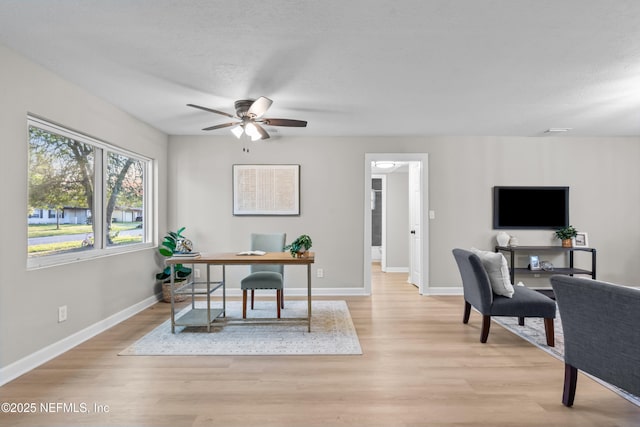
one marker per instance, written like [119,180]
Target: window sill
[36,263]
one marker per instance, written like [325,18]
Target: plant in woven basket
[299,246]
[174,242]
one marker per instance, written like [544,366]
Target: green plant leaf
[182,271]
[165,251]
[164,274]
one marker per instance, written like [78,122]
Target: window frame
[98,211]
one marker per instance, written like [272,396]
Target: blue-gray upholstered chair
[265,276]
[478,293]
[601,325]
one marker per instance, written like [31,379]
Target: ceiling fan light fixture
[237,131]
[250,130]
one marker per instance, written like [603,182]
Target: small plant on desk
[299,246]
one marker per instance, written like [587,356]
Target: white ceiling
[357,67]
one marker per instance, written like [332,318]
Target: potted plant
[299,246]
[566,234]
[174,242]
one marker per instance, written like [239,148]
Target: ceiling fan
[250,113]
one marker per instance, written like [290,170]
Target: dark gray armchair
[479,294]
[601,324]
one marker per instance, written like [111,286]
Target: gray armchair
[478,293]
[601,324]
[265,276]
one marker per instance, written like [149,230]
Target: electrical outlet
[62,313]
[196,273]
[320,272]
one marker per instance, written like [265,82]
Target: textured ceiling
[358,67]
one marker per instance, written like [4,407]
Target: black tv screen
[530,207]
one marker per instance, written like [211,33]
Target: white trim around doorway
[423,159]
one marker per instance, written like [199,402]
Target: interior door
[414,223]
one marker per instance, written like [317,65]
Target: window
[86,198]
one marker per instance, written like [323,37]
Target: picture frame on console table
[534,262]
[581,240]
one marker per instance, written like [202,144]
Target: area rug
[533,331]
[332,333]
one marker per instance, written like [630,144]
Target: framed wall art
[266,190]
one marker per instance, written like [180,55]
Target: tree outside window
[63,171]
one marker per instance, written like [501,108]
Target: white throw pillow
[498,270]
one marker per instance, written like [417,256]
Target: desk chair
[265,276]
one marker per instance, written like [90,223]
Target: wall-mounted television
[530,207]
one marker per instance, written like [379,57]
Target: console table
[535,250]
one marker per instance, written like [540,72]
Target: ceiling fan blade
[263,133]
[259,106]
[211,110]
[224,125]
[285,122]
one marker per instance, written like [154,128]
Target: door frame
[423,159]
[383,245]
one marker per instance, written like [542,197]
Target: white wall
[92,290]
[195,172]
[602,174]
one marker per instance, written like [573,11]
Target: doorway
[415,232]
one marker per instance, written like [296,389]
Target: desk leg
[224,291]
[173,308]
[309,296]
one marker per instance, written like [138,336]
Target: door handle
[413,231]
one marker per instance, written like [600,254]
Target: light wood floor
[421,367]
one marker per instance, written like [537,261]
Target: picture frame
[534,262]
[581,240]
[266,190]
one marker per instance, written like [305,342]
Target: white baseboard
[441,290]
[26,364]
[396,269]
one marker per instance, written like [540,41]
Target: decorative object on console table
[299,246]
[513,241]
[566,234]
[581,240]
[174,243]
[503,238]
[534,262]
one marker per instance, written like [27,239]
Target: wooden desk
[232,258]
